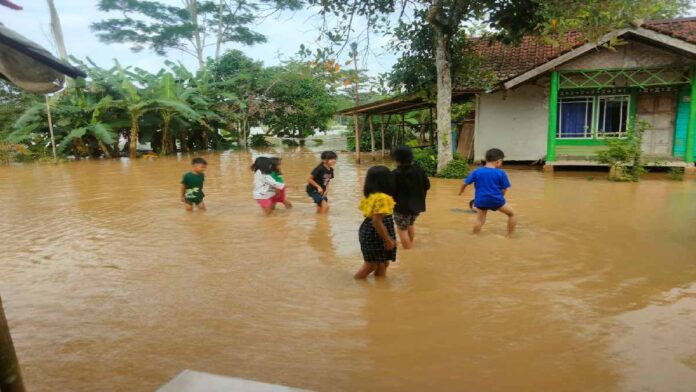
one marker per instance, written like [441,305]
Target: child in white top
[265,187]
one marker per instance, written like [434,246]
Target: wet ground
[109,285]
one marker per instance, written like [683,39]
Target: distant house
[562,104]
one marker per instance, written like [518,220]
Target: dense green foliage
[113,110]
[456,168]
[426,158]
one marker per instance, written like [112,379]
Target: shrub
[258,140]
[676,174]
[290,142]
[625,156]
[318,142]
[457,168]
[426,158]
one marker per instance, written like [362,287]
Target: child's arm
[310,180]
[382,231]
[463,188]
[272,182]
[183,193]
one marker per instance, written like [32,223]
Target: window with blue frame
[575,117]
[589,117]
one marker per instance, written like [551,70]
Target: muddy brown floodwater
[109,285]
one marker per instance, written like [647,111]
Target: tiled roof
[508,61]
[683,29]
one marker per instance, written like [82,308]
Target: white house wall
[515,121]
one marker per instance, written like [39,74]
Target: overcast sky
[285,33]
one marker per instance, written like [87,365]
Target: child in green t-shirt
[192,185]
[278,176]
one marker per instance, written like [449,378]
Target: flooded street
[109,285]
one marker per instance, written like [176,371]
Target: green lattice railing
[627,77]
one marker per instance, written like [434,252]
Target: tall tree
[189,27]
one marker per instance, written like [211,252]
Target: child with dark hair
[491,184]
[192,185]
[376,234]
[277,175]
[411,186]
[318,181]
[265,187]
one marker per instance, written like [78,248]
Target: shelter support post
[50,129]
[356,120]
[381,123]
[372,137]
[10,375]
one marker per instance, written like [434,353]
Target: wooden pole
[10,375]
[432,129]
[50,129]
[382,129]
[356,120]
[372,137]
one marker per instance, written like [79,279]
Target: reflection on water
[110,285]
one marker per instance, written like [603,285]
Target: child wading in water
[410,188]
[491,184]
[192,185]
[265,187]
[376,234]
[318,181]
[277,175]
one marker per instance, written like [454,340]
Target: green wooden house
[561,104]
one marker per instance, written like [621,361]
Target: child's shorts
[266,203]
[279,197]
[193,202]
[490,208]
[403,221]
[318,198]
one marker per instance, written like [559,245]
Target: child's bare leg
[324,207]
[405,238]
[267,210]
[201,206]
[412,234]
[287,204]
[365,271]
[480,220]
[512,218]
[382,270]
[189,207]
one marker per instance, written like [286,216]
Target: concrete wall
[515,121]
[631,55]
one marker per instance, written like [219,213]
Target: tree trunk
[198,44]
[444,102]
[166,135]
[133,143]
[10,375]
[218,43]
[57,31]
[104,149]
[183,140]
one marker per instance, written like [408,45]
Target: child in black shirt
[318,181]
[412,185]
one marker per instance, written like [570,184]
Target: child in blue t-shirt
[491,184]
